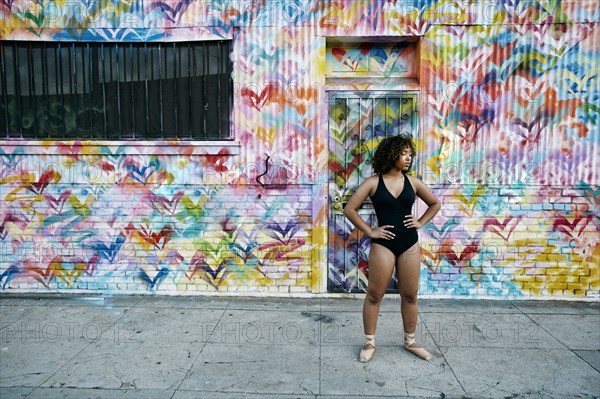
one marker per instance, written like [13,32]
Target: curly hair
[388,152]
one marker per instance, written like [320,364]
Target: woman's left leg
[408,269]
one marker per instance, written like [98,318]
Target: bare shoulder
[415,181]
[368,186]
[372,179]
[420,187]
[365,189]
[422,191]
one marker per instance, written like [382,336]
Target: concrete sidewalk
[80,346]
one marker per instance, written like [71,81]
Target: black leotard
[392,211]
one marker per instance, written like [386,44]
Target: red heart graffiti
[495,226]
[564,226]
[57,204]
[456,259]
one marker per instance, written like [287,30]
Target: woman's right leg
[381,267]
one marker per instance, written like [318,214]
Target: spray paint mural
[507,113]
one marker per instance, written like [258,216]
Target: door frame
[333,95]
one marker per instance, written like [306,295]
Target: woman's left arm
[433,203]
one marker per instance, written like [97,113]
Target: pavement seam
[585,350]
[139,300]
[548,332]
[443,357]
[566,347]
[82,349]
[187,374]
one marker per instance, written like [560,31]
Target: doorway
[358,121]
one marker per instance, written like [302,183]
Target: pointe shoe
[367,353]
[411,345]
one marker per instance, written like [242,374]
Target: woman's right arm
[355,202]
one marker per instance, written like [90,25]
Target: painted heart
[157,279]
[42,276]
[591,194]
[114,158]
[203,266]
[109,252]
[217,161]
[431,260]
[91,265]
[97,189]
[267,135]
[468,204]
[279,231]
[7,3]
[57,204]
[158,240]
[197,263]
[10,162]
[45,276]
[118,34]
[213,276]
[45,179]
[503,229]
[172,13]
[143,173]
[456,258]
[71,150]
[563,225]
[171,258]
[244,252]
[82,209]
[192,210]
[278,251]
[15,224]
[10,273]
[342,174]
[440,234]
[162,203]
[252,98]
[72,276]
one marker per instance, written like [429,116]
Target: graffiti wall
[507,129]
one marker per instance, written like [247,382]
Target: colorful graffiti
[145,226]
[508,125]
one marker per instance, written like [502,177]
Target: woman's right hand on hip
[382,232]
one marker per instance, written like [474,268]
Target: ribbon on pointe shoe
[411,345]
[367,353]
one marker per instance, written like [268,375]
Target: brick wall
[62,230]
[524,242]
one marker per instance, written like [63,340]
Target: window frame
[224,107]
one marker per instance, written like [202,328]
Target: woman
[395,241]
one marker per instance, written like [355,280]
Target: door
[358,121]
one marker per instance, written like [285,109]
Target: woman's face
[403,161]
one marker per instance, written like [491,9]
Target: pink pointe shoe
[367,353]
[411,345]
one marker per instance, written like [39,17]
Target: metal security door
[358,121]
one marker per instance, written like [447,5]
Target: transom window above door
[354,59]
